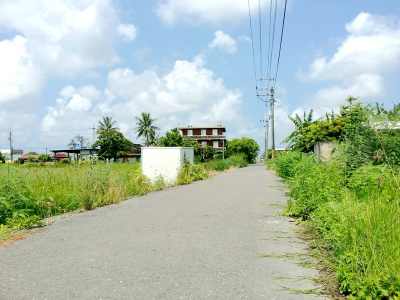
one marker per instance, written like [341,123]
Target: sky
[64,64]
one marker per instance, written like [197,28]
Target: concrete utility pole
[94,134]
[266,138]
[272,124]
[11,152]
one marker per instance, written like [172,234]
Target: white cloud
[371,49]
[73,112]
[205,11]
[127,31]
[373,46]
[224,42]
[55,38]
[189,94]
[19,78]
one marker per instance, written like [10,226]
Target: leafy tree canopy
[172,139]
[246,146]
[111,144]
[45,157]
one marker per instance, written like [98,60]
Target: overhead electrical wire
[280,44]
[272,41]
[259,21]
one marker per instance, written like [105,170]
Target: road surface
[221,238]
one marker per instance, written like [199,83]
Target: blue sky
[65,64]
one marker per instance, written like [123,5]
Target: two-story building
[212,136]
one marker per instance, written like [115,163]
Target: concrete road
[206,240]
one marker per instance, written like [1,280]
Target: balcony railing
[198,137]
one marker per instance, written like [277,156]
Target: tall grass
[50,190]
[220,165]
[356,214]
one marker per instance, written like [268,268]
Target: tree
[172,139]
[79,142]
[300,124]
[45,157]
[246,146]
[146,129]
[111,144]
[107,124]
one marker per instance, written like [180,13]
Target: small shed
[165,161]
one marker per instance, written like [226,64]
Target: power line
[252,43]
[280,44]
[273,39]
[259,19]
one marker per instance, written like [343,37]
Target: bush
[189,173]
[220,165]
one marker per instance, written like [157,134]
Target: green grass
[225,164]
[45,191]
[356,216]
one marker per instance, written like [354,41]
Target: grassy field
[32,192]
[355,216]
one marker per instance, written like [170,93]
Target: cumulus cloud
[189,94]
[224,42]
[72,112]
[127,31]
[371,49]
[55,38]
[204,11]
[373,46]
[19,77]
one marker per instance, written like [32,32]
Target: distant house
[212,136]
[75,154]
[132,155]
[26,157]
[15,154]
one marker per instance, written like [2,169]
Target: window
[190,132]
[203,132]
[215,131]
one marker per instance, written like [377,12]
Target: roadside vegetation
[350,203]
[34,190]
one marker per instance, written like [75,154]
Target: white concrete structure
[323,150]
[164,161]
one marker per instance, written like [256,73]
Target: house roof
[76,151]
[26,156]
[204,127]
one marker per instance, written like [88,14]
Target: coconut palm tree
[106,125]
[146,129]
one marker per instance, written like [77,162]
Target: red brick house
[212,136]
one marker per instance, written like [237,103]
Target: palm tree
[106,125]
[299,126]
[146,129]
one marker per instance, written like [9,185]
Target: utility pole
[266,138]
[11,152]
[94,134]
[272,124]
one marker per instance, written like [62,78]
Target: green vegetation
[112,144]
[245,146]
[44,191]
[146,129]
[237,161]
[352,201]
